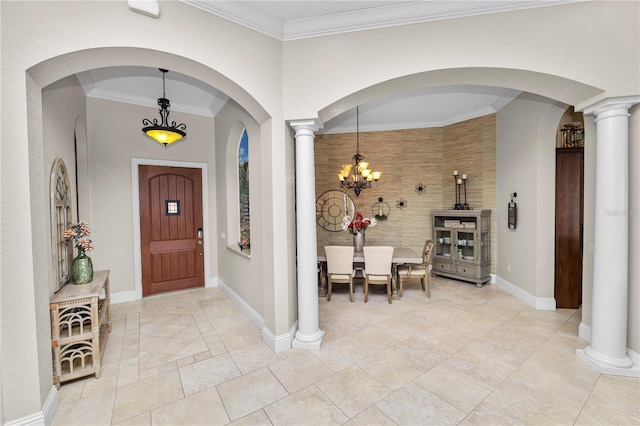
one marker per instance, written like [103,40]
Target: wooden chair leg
[389,291]
[329,290]
[426,278]
[351,290]
[422,283]
[366,290]
[400,286]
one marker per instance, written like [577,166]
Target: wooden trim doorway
[135,202]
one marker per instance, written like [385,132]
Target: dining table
[401,256]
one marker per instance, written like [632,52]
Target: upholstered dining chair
[417,270]
[339,268]
[377,268]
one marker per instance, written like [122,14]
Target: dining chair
[377,268]
[417,270]
[339,268]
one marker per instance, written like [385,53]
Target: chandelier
[357,176]
[162,132]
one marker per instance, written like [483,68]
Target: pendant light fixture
[162,132]
[358,176]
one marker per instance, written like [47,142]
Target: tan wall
[407,158]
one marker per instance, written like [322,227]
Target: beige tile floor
[466,356]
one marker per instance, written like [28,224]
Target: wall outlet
[223,235]
[590,249]
[508,268]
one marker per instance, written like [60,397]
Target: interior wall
[523,156]
[58,127]
[240,272]
[111,149]
[407,158]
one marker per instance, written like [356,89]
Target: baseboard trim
[43,418]
[279,343]
[130,296]
[538,303]
[584,332]
[249,312]
[123,297]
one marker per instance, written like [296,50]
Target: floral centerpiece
[82,266]
[358,224]
[356,227]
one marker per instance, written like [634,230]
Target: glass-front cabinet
[462,242]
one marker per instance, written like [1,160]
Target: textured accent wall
[407,158]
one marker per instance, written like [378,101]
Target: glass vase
[82,269]
[358,242]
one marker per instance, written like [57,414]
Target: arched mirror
[332,207]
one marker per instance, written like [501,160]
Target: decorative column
[607,352]
[309,335]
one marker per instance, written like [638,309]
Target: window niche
[243,192]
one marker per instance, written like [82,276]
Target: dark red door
[170,221]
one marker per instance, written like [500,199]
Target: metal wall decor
[401,204]
[512,212]
[380,209]
[420,188]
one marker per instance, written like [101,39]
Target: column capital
[306,126]
[624,102]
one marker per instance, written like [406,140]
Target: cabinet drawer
[442,266]
[469,271]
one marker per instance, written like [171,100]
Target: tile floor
[468,355]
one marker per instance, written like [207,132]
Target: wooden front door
[170,228]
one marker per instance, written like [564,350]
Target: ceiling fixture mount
[358,176]
[162,132]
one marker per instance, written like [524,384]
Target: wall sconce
[420,188]
[512,212]
[380,209]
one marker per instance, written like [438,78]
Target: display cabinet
[80,324]
[462,245]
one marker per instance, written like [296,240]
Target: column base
[607,365]
[313,342]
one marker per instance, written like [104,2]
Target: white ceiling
[287,20]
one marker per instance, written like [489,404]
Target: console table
[80,324]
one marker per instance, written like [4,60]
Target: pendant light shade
[161,131]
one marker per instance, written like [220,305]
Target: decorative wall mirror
[332,207]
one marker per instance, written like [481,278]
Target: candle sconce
[460,184]
[380,209]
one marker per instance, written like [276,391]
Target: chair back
[339,259]
[426,252]
[377,260]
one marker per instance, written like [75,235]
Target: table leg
[322,288]
[394,282]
